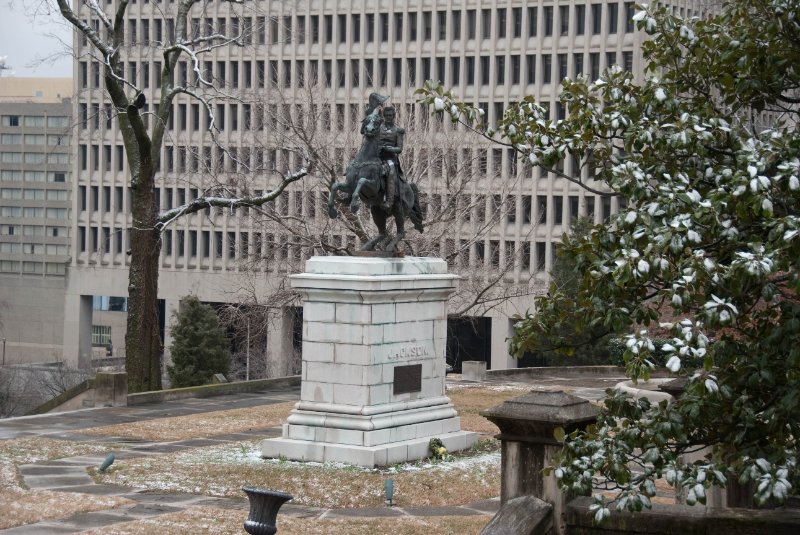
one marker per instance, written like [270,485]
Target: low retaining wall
[76,394]
[683,519]
[560,371]
[205,391]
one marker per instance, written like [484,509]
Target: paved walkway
[69,474]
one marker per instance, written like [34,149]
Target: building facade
[35,189]
[313,64]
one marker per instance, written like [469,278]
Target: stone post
[279,343]
[78,330]
[473,370]
[527,436]
[111,389]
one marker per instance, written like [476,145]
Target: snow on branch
[201,203]
[84,28]
[95,8]
[225,40]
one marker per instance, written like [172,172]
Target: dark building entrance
[532,360]
[469,338]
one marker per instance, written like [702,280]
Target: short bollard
[264,505]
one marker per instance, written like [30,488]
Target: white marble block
[374,335]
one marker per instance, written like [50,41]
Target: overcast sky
[29,34]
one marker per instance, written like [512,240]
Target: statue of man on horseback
[375,177]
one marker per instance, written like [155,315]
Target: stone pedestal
[528,444]
[473,370]
[374,335]
[111,389]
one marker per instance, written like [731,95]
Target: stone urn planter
[264,505]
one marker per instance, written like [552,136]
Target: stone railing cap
[544,407]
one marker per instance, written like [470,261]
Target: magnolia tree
[144,127]
[707,154]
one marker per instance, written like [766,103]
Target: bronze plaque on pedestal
[407,379]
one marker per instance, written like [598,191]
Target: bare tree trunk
[142,339]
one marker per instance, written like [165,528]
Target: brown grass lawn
[28,450]
[199,425]
[209,471]
[222,470]
[213,521]
[468,400]
[19,506]
[471,400]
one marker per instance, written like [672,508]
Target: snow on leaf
[693,195]
[711,386]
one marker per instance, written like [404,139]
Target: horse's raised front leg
[332,212]
[355,202]
[379,217]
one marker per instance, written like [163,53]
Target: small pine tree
[199,347]
[589,347]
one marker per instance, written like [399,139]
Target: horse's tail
[417,213]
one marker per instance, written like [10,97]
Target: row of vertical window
[245,245]
[14,175]
[531,209]
[412,26]
[101,239]
[34,230]
[89,198]
[383,72]
[34,139]
[35,158]
[256,116]
[33,268]
[29,194]
[96,163]
[34,212]
[478,161]
[256,246]
[33,248]
[35,121]
[495,254]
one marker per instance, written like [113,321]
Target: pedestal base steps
[367,456]
[374,335]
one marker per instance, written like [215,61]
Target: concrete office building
[491,52]
[34,215]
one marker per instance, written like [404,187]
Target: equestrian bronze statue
[376,178]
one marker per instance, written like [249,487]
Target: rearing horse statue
[366,182]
